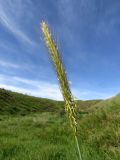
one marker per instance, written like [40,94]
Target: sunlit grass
[70,104]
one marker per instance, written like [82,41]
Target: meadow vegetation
[36,129]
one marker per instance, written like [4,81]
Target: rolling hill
[16,103]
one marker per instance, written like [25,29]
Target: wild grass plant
[70,104]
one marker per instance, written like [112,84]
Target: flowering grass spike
[62,77]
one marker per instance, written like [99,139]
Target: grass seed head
[61,75]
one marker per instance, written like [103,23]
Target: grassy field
[36,129]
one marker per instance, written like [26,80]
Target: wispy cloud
[46,89]
[10,14]
[8,64]
[36,88]
[11,65]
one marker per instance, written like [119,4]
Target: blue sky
[88,36]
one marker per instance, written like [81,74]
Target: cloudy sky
[88,36]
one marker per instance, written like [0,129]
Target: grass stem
[70,104]
[78,148]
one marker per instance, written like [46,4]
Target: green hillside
[111,104]
[16,103]
[43,133]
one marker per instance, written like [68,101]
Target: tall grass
[62,77]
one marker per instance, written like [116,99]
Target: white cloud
[11,13]
[8,64]
[36,88]
[47,89]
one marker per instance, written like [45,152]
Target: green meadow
[37,129]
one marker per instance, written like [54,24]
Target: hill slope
[16,103]
[107,104]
